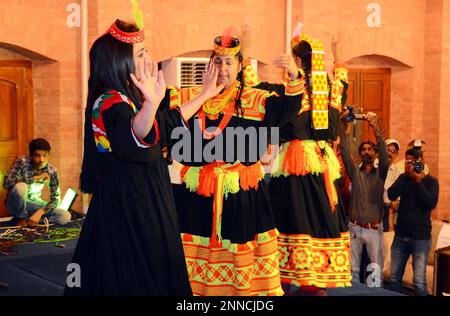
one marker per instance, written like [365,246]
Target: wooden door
[16,116]
[369,91]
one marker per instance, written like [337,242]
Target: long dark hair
[239,110]
[111,62]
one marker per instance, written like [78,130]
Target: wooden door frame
[28,92]
[386,90]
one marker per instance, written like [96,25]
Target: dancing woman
[227,222]
[314,244]
[130,242]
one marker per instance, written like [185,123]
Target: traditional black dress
[314,243]
[227,222]
[130,242]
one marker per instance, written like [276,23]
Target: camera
[367,160]
[418,166]
[354,116]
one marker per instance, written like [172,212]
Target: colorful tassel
[137,13]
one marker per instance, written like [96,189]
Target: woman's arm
[153,87]
[209,89]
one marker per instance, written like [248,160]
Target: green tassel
[312,161]
[231,183]
[204,241]
[232,248]
[192,178]
[333,164]
[137,13]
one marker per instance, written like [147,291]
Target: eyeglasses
[392,151]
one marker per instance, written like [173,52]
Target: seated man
[25,181]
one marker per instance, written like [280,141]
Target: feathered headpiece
[228,43]
[129,37]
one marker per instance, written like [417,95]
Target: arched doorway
[21,70]
[16,99]
[370,79]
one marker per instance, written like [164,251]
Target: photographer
[416,144]
[366,202]
[419,195]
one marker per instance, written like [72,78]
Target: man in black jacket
[419,195]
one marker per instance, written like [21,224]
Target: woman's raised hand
[150,81]
[336,47]
[210,87]
[287,62]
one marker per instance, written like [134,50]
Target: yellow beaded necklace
[222,102]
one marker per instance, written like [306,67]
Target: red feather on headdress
[227,36]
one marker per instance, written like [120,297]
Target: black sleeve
[344,147]
[271,87]
[396,189]
[383,158]
[344,93]
[281,109]
[428,192]
[118,120]
[169,119]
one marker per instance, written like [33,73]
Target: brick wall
[443,145]
[431,84]
[413,41]
[39,30]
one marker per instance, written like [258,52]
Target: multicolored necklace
[221,104]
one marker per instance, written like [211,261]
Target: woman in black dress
[314,243]
[227,222]
[130,243]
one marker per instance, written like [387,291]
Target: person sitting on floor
[25,181]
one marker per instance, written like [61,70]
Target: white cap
[392,141]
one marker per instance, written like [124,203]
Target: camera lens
[418,166]
[350,116]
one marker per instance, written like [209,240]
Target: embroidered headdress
[129,37]
[320,87]
[126,37]
[227,45]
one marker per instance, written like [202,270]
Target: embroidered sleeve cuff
[175,96]
[340,72]
[250,76]
[294,87]
[150,140]
[183,121]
